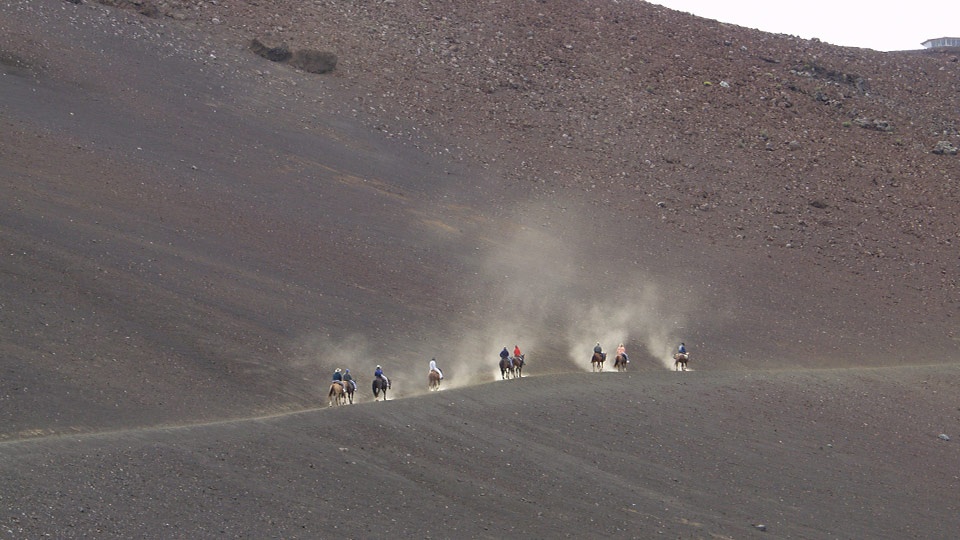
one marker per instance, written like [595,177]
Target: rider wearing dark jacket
[337,377]
[348,378]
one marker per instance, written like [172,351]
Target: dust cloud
[548,291]
[539,284]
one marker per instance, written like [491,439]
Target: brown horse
[597,360]
[507,369]
[337,394]
[350,390]
[620,362]
[380,386]
[433,380]
[680,361]
[518,366]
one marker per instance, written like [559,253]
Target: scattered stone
[944,147]
[761,527]
[876,125]
[944,437]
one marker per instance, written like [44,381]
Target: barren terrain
[193,237]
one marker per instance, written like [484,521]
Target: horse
[433,380]
[680,361]
[506,368]
[518,366]
[337,394]
[380,386]
[620,362]
[350,390]
[597,360]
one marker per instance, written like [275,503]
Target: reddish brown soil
[193,237]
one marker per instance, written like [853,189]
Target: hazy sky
[884,25]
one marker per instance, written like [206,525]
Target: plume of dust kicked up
[475,356]
[518,295]
[319,356]
[630,317]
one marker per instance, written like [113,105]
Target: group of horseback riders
[345,378]
[682,355]
[621,352]
[505,354]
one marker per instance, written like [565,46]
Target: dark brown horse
[620,362]
[680,361]
[337,394]
[350,389]
[433,380]
[597,360]
[506,368]
[517,366]
[380,386]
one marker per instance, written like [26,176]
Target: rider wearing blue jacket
[379,373]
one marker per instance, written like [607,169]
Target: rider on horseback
[505,355]
[622,352]
[516,351]
[433,367]
[348,378]
[682,349]
[599,350]
[337,376]
[379,373]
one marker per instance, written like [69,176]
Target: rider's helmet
[337,370]
[347,371]
[378,366]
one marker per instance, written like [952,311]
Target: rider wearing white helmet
[379,373]
[433,367]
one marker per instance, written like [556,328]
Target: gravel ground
[194,237]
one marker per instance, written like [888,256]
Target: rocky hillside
[839,159]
